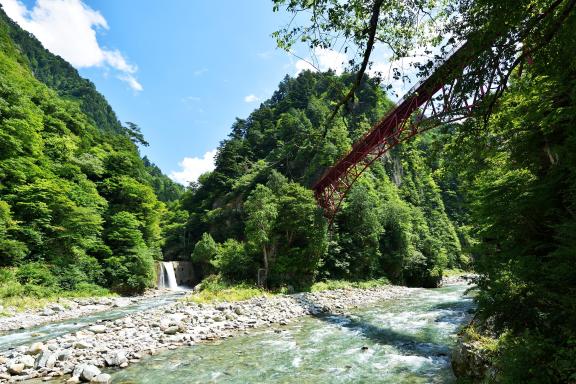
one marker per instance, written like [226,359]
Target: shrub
[36,273]
[233,261]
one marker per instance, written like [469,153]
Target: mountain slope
[77,203]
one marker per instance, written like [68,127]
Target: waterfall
[167,278]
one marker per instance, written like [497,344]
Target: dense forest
[79,207]
[256,209]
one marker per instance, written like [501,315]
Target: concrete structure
[183,270]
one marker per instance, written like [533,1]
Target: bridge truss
[449,94]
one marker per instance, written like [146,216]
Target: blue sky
[199,64]
[182,70]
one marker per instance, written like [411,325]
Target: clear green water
[402,341]
[15,338]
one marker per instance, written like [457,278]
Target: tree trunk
[265,282]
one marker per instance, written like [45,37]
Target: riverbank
[66,308]
[118,343]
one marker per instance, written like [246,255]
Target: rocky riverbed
[65,309]
[83,354]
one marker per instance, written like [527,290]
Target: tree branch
[372,27]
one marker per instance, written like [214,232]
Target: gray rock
[42,359]
[239,311]
[63,355]
[89,372]
[98,328]
[82,345]
[172,330]
[51,361]
[114,359]
[78,370]
[47,312]
[28,361]
[102,378]
[16,368]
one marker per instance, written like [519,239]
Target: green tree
[205,252]
[131,268]
[11,251]
[234,262]
[261,210]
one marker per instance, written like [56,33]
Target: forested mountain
[258,205]
[78,205]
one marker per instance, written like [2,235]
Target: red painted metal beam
[433,100]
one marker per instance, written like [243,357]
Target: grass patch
[215,289]
[327,285]
[30,296]
[454,272]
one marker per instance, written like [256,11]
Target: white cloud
[68,28]
[323,60]
[200,72]
[193,167]
[384,68]
[132,82]
[251,98]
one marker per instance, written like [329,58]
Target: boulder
[42,359]
[28,361]
[115,359]
[102,378]
[47,312]
[78,370]
[16,368]
[89,372]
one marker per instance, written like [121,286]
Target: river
[15,338]
[406,340]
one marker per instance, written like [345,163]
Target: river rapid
[402,340]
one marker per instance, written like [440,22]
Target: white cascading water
[168,277]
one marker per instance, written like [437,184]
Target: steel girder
[449,94]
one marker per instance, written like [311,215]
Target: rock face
[470,360]
[126,340]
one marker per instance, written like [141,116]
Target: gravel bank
[66,309]
[124,341]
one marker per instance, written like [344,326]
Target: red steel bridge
[455,86]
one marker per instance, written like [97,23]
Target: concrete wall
[183,271]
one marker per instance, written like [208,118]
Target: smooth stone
[16,368]
[42,359]
[28,361]
[115,358]
[172,330]
[98,328]
[82,345]
[47,312]
[102,378]
[89,372]
[78,370]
